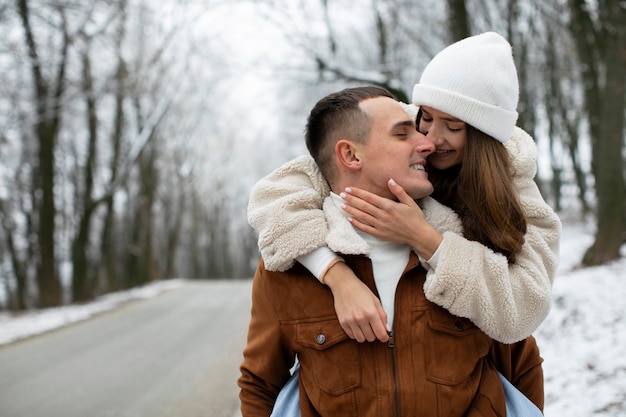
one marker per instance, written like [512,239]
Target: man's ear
[348,154]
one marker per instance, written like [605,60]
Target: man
[435,364]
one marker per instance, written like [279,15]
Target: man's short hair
[338,116]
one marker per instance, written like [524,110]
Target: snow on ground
[15,326]
[583,340]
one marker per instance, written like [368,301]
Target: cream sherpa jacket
[508,302]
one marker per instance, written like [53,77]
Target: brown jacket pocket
[454,348]
[329,355]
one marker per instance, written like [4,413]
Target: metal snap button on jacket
[321,339]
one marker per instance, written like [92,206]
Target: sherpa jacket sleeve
[508,302]
[285,208]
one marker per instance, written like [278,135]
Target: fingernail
[392,182]
[342,195]
[348,189]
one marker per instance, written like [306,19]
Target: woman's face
[449,135]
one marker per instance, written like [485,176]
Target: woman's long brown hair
[481,191]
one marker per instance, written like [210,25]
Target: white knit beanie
[474,80]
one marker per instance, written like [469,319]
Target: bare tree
[126,170]
[47,95]
[108,269]
[377,46]
[601,46]
[17,299]
[81,290]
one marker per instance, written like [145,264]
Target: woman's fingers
[363,200]
[382,217]
[400,193]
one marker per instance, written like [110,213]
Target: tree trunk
[553,109]
[141,266]
[46,131]
[175,229]
[572,144]
[17,299]
[459,20]
[610,185]
[47,279]
[196,248]
[81,283]
[602,56]
[108,249]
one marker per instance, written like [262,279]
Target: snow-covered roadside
[15,326]
[583,340]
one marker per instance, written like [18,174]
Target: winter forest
[131,131]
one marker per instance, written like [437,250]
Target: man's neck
[388,262]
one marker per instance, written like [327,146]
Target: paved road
[175,355]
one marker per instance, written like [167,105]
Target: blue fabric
[288,400]
[517,404]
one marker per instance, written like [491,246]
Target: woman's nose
[432,136]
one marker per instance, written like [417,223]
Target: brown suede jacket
[437,364]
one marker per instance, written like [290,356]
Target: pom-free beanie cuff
[492,120]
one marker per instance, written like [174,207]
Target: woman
[496,265]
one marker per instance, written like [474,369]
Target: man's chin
[420,193]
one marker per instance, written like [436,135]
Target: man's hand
[360,312]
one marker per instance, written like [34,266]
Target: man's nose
[425,144]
